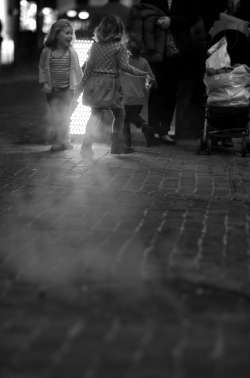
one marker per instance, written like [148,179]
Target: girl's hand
[164,22]
[46,88]
[149,81]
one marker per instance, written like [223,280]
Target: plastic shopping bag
[229,89]
[219,57]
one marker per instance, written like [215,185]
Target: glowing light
[81,114]
[28,10]
[71,13]
[49,17]
[79,118]
[83,15]
[82,47]
[46,11]
[7,53]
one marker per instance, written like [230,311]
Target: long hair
[50,39]
[111,29]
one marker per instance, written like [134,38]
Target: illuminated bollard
[79,118]
[81,113]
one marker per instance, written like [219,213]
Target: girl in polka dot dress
[101,83]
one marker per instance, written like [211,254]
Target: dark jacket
[143,17]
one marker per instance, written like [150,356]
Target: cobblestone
[132,267]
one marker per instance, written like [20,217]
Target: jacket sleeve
[123,63]
[42,72]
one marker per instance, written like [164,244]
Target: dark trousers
[180,85]
[132,116]
[162,99]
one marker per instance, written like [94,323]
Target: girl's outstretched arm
[123,61]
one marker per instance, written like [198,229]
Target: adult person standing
[157,22]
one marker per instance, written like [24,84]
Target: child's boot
[127,141]
[117,146]
[87,143]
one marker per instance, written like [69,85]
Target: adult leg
[154,100]
[168,86]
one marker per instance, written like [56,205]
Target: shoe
[57,146]
[116,144]
[116,150]
[227,142]
[167,139]
[127,150]
[68,146]
[127,142]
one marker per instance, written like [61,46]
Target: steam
[70,232]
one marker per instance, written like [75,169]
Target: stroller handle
[227,22]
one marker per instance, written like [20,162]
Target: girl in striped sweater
[59,75]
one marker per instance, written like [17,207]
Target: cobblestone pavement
[133,267]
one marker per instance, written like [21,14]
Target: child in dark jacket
[135,92]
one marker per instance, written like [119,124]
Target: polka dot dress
[101,80]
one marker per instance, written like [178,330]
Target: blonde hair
[50,39]
[111,29]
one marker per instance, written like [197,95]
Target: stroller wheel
[209,146]
[244,147]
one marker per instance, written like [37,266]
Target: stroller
[227,82]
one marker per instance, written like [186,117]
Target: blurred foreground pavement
[119,267]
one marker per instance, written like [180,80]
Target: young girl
[59,74]
[101,83]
